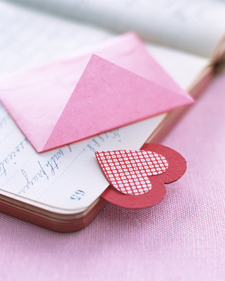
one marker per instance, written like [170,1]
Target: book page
[193,26]
[68,179]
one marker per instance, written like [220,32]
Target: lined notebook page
[67,179]
[62,177]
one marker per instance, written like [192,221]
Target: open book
[61,189]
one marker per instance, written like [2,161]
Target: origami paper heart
[137,177]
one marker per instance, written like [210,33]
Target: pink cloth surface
[182,238]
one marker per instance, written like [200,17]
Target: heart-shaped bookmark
[137,177]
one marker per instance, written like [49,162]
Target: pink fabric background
[182,238]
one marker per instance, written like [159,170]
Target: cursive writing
[44,171]
[77,195]
[11,156]
[3,121]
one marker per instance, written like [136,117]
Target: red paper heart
[129,170]
[173,166]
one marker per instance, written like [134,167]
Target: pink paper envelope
[70,100]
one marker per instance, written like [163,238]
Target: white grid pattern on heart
[129,170]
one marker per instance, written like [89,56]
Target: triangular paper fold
[107,97]
[70,100]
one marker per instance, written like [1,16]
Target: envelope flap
[107,97]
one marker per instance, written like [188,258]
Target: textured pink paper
[40,100]
[180,239]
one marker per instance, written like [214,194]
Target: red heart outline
[176,169]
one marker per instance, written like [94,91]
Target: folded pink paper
[70,100]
